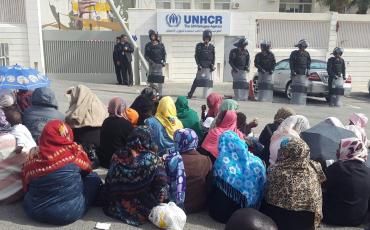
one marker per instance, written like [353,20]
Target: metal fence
[12,11]
[353,34]
[4,54]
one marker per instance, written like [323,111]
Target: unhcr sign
[182,22]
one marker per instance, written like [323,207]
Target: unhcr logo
[173,20]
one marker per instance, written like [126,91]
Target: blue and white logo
[173,20]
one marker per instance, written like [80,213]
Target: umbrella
[17,77]
[324,139]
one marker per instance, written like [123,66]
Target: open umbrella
[17,77]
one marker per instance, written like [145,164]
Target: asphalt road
[13,217]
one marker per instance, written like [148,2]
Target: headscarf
[210,143]
[334,121]
[5,126]
[214,101]
[294,183]
[185,140]
[359,132]
[6,100]
[159,135]
[167,116]
[132,116]
[282,114]
[292,126]
[117,107]
[85,108]
[229,104]
[238,173]
[144,106]
[56,150]
[352,149]
[188,117]
[359,119]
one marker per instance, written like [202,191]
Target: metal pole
[125,29]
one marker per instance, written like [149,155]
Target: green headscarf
[188,116]
[229,104]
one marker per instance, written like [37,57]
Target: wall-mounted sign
[182,22]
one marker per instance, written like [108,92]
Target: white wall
[17,38]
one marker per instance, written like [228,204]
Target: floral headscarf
[167,116]
[359,119]
[185,140]
[4,124]
[352,149]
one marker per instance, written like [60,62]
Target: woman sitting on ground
[239,178]
[347,189]
[293,195]
[85,116]
[57,178]
[136,181]
[144,107]
[197,168]
[188,117]
[228,104]
[114,131]
[214,101]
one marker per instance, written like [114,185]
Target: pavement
[12,216]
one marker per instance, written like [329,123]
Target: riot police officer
[265,63]
[155,54]
[239,61]
[300,62]
[336,68]
[205,59]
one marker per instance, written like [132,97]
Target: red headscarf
[56,150]
[228,123]
[214,101]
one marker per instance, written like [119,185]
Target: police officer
[239,61]
[205,59]
[300,62]
[336,68]
[116,60]
[265,63]
[155,54]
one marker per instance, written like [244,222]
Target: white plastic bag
[168,216]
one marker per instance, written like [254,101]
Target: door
[229,45]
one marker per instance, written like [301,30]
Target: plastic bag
[168,216]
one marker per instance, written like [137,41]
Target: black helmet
[265,44]
[338,50]
[207,34]
[303,43]
[243,42]
[152,32]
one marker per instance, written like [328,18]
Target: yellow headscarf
[167,115]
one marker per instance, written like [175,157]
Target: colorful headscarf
[117,107]
[359,119]
[238,173]
[56,150]
[167,116]
[210,143]
[132,116]
[214,101]
[188,117]
[5,126]
[229,104]
[294,182]
[159,135]
[185,140]
[352,149]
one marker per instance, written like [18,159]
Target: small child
[22,135]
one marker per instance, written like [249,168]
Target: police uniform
[336,68]
[265,63]
[156,56]
[239,61]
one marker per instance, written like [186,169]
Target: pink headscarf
[228,123]
[359,119]
[352,149]
[117,107]
[214,101]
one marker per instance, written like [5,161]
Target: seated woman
[144,106]
[57,178]
[357,124]
[267,132]
[227,104]
[347,189]
[197,168]
[10,164]
[239,178]
[188,117]
[132,116]
[114,131]
[214,101]
[136,181]
[293,195]
[290,127]
[24,99]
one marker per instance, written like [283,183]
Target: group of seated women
[158,150]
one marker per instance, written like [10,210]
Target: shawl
[292,126]
[352,149]
[238,173]
[185,140]
[188,117]
[228,104]
[85,108]
[159,135]
[167,116]
[210,143]
[117,107]
[5,126]
[294,183]
[56,150]
[214,101]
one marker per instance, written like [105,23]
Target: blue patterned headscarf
[185,140]
[238,173]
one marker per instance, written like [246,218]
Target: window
[295,6]
[4,54]
[163,4]
[203,4]
[182,4]
[222,4]
[318,65]
[282,65]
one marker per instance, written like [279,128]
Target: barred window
[295,6]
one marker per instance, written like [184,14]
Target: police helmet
[243,42]
[207,34]
[265,44]
[338,51]
[303,43]
[152,32]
